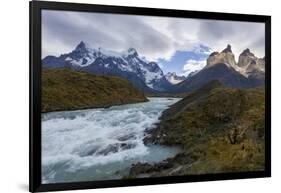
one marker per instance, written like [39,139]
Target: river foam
[100,144]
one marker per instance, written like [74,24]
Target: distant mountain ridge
[247,62]
[173,78]
[145,75]
[247,73]
[148,77]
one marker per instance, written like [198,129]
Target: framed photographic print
[125,96]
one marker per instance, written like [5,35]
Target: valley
[122,117]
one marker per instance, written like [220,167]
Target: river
[100,144]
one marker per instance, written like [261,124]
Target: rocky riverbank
[220,129]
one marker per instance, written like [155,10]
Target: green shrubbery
[222,129]
[64,89]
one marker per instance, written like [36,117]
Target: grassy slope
[64,89]
[221,130]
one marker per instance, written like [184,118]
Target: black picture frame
[35,94]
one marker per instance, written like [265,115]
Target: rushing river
[100,144]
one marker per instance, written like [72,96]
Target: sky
[178,45]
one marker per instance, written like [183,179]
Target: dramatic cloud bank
[156,38]
[193,66]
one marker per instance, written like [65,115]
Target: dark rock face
[143,168]
[214,53]
[227,49]
[80,50]
[126,137]
[247,52]
[168,167]
[133,52]
[112,148]
[88,151]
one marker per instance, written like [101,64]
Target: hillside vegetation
[64,89]
[220,129]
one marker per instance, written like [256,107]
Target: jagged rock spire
[227,49]
[132,51]
[247,52]
[81,45]
[224,57]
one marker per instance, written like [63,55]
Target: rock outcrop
[224,57]
[249,72]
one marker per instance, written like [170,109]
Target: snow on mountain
[147,76]
[127,64]
[173,78]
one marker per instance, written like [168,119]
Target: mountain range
[249,72]
[145,75]
[148,77]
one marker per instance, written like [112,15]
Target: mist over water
[100,144]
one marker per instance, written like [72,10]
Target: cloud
[153,37]
[193,66]
[114,32]
[241,35]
